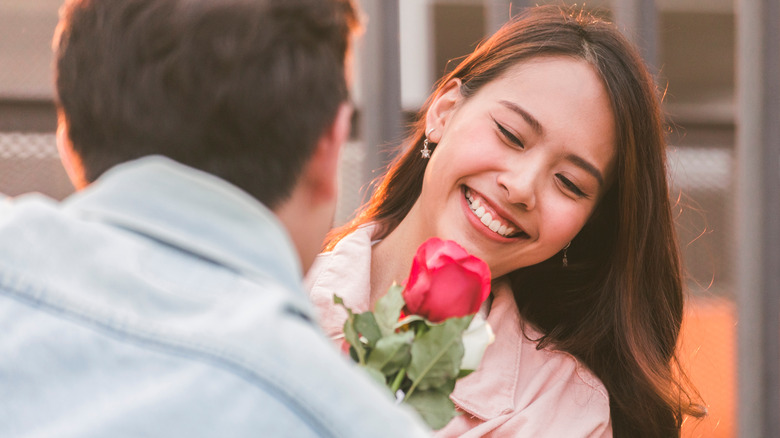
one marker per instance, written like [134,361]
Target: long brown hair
[618,306]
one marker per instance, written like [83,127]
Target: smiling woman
[511,148]
[548,162]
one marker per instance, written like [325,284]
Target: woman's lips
[487,215]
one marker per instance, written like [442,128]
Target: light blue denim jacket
[165,302]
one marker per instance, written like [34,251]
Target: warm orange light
[709,355]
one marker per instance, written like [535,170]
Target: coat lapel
[490,390]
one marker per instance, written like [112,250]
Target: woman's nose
[520,184]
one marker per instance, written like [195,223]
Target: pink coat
[518,391]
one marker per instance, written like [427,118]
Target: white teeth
[487,218]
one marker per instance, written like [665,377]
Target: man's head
[247,90]
[239,88]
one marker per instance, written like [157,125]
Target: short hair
[241,89]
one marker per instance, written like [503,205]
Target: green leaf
[407,320]
[436,354]
[391,353]
[434,406]
[353,338]
[351,335]
[388,309]
[366,325]
[464,373]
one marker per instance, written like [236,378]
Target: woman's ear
[442,108]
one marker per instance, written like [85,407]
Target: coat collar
[195,212]
[487,392]
[490,390]
[345,271]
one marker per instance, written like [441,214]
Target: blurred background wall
[28,155]
[690,44]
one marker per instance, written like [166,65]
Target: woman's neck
[391,259]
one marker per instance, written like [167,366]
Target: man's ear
[442,108]
[70,160]
[308,212]
[321,172]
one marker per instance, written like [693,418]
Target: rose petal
[453,293]
[445,281]
[416,288]
[444,252]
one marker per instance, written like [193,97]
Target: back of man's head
[241,89]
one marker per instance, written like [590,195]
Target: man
[164,298]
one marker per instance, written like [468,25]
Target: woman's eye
[509,136]
[571,186]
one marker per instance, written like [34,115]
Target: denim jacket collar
[178,205]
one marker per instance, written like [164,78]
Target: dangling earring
[426,153]
[565,258]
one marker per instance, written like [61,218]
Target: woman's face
[521,165]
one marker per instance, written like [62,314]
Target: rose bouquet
[422,335]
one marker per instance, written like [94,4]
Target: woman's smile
[489,218]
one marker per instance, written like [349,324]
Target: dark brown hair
[618,307]
[241,89]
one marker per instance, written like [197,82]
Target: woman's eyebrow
[537,127]
[586,166]
[531,120]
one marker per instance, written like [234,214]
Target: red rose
[445,281]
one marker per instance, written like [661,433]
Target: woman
[543,154]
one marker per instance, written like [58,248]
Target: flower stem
[411,390]
[398,379]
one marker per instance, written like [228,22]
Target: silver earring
[565,258]
[426,153]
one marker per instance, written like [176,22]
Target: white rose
[476,338]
